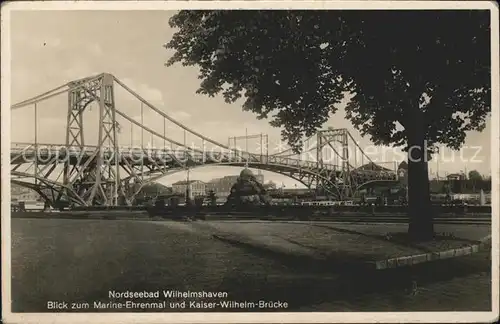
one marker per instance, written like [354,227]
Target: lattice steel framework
[340,179]
[95,181]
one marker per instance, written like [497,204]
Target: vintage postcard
[250,161]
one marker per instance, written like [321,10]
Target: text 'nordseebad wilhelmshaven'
[167,294]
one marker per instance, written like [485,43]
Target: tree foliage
[407,71]
[212,198]
[475,175]
[414,79]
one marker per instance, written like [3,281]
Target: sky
[50,48]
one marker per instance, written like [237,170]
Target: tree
[212,197]
[446,189]
[475,175]
[414,79]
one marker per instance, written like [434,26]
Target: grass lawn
[81,260]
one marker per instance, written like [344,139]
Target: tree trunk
[419,204]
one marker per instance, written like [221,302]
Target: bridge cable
[142,141]
[171,119]
[279,155]
[39,96]
[130,119]
[361,150]
[47,95]
[36,140]
[24,104]
[290,149]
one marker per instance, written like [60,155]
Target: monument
[247,191]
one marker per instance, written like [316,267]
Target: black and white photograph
[247,161]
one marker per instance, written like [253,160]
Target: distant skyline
[50,48]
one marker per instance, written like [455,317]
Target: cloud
[53,42]
[95,49]
[78,70]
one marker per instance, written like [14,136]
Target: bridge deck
[48,154]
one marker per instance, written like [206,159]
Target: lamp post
[188,186]
[188,189]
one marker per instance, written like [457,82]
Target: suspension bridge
[107,160]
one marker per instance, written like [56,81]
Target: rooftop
[372,167]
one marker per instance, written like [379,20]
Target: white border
[304,317]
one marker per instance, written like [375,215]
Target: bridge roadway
[177,159]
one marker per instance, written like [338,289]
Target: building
[196,188]
[222,186]
[212,185]
[371,166]
[455,176]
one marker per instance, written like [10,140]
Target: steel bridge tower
[96,176]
